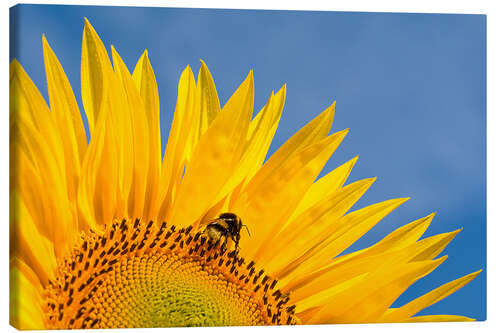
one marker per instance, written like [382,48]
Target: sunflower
[107,233]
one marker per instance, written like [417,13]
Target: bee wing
[214,221]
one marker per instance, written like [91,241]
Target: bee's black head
[233,221]
[228,216]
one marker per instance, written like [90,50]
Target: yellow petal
[108,183]
[140,141]
[313,132]
[257,120]
[249,156]
[321,300]
[368,299]
[95,70]
[97,193]
[434,296]
[353,226]
[28,105]
[306,315]
[438,318]
[431,247]
[325,186]
[204,111]
[374,305]
[312,284]
[208,99]
[308,231]
[266,202]
[104,181]
[349,266]
[25,301]
[27,272]
[145,81]
[178,144]
[28,183]
[215,157]
[53,214]
[67,116]
[399,238]
[27,243]
[261,132]
[257,145]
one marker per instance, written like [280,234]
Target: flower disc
[136,275]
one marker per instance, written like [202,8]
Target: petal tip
[250,75]
[428,219]
[443,258]
[399,201]
[344,131]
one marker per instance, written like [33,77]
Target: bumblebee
[227,225]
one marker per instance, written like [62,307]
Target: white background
[490,8]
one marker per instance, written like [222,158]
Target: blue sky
[411,87]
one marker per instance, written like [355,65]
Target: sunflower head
[112,232]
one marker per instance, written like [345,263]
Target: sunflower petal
[313,132]
[28,105]
[325,186]
[314,283]
[95,69]
[266,202]
[399,238]
[30,154]
[257,144]
[145,81]
[208,98]
[29,183]
[97,193]
[67,116]
[248,159]
[353,226]
[366,300]
[25,301]
[178,144]
[104,180]
[216,155]
[306,315]
[263,132]
[431,247]
[140,141]
[438,318]
[412,308]
[308,231]
[342,269]
[27,242]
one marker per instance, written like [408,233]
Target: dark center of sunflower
[145,275]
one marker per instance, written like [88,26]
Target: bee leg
[224,245]
[236,240]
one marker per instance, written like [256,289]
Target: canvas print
[199,167]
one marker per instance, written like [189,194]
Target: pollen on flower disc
[139,274]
